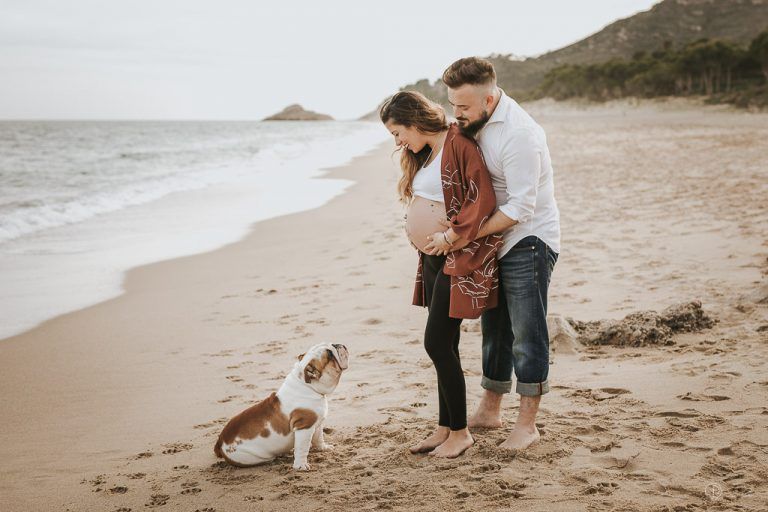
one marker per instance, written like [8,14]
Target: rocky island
[297,113]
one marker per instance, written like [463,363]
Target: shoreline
[64,268]
[123,400]
[79,333]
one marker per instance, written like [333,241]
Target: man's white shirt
[515,150]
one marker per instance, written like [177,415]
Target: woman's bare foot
[458,441]
[432,442]
[521,438]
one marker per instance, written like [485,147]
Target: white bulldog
[291,418]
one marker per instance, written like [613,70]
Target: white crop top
[427,183]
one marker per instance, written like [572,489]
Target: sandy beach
[117,407]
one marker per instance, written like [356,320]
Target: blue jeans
[515,335]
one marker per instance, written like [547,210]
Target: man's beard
[471,129]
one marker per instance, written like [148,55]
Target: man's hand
[497,223]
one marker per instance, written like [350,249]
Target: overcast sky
[246,59]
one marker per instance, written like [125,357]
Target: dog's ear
[301,356]
[311,373]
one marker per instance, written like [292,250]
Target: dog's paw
[301,466]
[325,447]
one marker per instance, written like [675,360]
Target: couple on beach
[482,213]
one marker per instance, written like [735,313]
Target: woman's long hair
[413,109]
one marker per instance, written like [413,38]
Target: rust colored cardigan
[469,202]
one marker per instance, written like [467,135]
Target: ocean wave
[80,195]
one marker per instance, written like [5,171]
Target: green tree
[758,49]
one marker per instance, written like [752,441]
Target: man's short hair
[469,70]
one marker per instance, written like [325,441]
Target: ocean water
[82,202]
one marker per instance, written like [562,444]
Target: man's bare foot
[458,441]
[521,438]
[436,439]
[488,414]
[484,419]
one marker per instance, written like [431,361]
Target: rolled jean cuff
[532,388]
[497,386]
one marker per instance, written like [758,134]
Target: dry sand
[116,407]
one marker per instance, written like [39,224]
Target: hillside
[675,21]
[671,22]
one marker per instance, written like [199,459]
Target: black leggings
[441,340]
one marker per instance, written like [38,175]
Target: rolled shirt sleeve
[521,163]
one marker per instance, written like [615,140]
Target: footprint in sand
[142,455]
[728,451]
[157,500]
[96,482]
[394,409]
[685,413]
[212,423]
[598,394]
[614,391]
[603,447]
[274,347]
[696,397]
[488,468]
[223,353]
[591,429]
[190,488]
[604,488]
[686,448]
[176,448]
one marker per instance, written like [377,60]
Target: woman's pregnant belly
[423,219]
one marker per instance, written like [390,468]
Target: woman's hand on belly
[438,246]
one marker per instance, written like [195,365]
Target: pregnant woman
[449,195]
